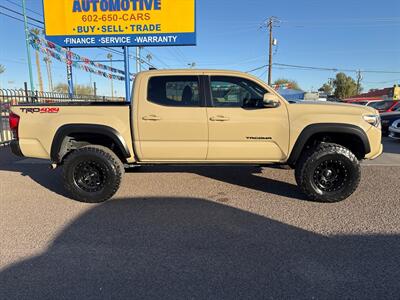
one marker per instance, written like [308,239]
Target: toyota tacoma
[199,117]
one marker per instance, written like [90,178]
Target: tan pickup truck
[199,117]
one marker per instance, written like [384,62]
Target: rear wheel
[328,173]
[92,174]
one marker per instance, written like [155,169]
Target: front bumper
[394,133]
[15,148]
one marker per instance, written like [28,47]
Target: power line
[20,14]
[19,5]
[336,69]
[325,69]
[256,69]
[15,18]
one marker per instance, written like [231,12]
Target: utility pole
[359,78]
[270,25]
[28,52]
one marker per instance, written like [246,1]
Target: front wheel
[328,173]
[92,174]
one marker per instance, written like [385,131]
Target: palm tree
[47,60]
[2,69]
[39,71]
[109,56]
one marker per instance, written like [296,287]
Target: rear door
[172,120]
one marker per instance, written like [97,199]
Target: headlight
[374,120]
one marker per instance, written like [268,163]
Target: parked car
[384,106]
[5,107]
[388,119]
[394,130]
[380,105]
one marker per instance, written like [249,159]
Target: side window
[236,92]
[174,90]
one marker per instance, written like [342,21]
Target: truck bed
[39,122]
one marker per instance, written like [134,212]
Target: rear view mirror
[271,101]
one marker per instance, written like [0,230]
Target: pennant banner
[73,59]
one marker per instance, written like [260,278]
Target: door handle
[219,119]
[151,118]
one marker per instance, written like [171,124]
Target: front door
[240,127]
[173,120]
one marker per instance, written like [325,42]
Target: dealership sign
[97,23]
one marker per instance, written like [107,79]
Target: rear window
[174,90]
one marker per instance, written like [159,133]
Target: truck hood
[335,107]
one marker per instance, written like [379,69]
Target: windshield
[381,105]
[397,107]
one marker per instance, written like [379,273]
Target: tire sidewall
[352,167]
[109,169]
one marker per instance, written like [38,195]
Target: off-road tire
[99,163]
[334,158]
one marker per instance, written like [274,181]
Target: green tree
[345,86]
[326,88]
[292,83]
[79,89]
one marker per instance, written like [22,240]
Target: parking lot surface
[199,232]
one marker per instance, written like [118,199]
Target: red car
[377,103]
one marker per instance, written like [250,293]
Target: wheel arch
[63,134]
[348,135]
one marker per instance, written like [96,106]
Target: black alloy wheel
[328,173]
[92,174]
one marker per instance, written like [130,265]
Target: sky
[343,34]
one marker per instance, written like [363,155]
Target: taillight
[14,123]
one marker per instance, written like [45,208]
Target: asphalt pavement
[199,233]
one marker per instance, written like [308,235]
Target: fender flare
[313,129]
[68,129]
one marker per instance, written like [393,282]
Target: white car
[394,130]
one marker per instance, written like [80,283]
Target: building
[386,93]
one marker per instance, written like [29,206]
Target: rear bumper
[16,149]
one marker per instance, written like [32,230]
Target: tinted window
[174,90]
[382,105]
[236,92]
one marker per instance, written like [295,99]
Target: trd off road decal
[43,110]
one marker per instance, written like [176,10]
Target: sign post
[69,75]
[27,46]
[127,75]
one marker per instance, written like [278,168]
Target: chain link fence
[10,97]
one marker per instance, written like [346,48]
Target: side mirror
[271,101]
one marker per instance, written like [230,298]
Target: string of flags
[282,86]
[68,57]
